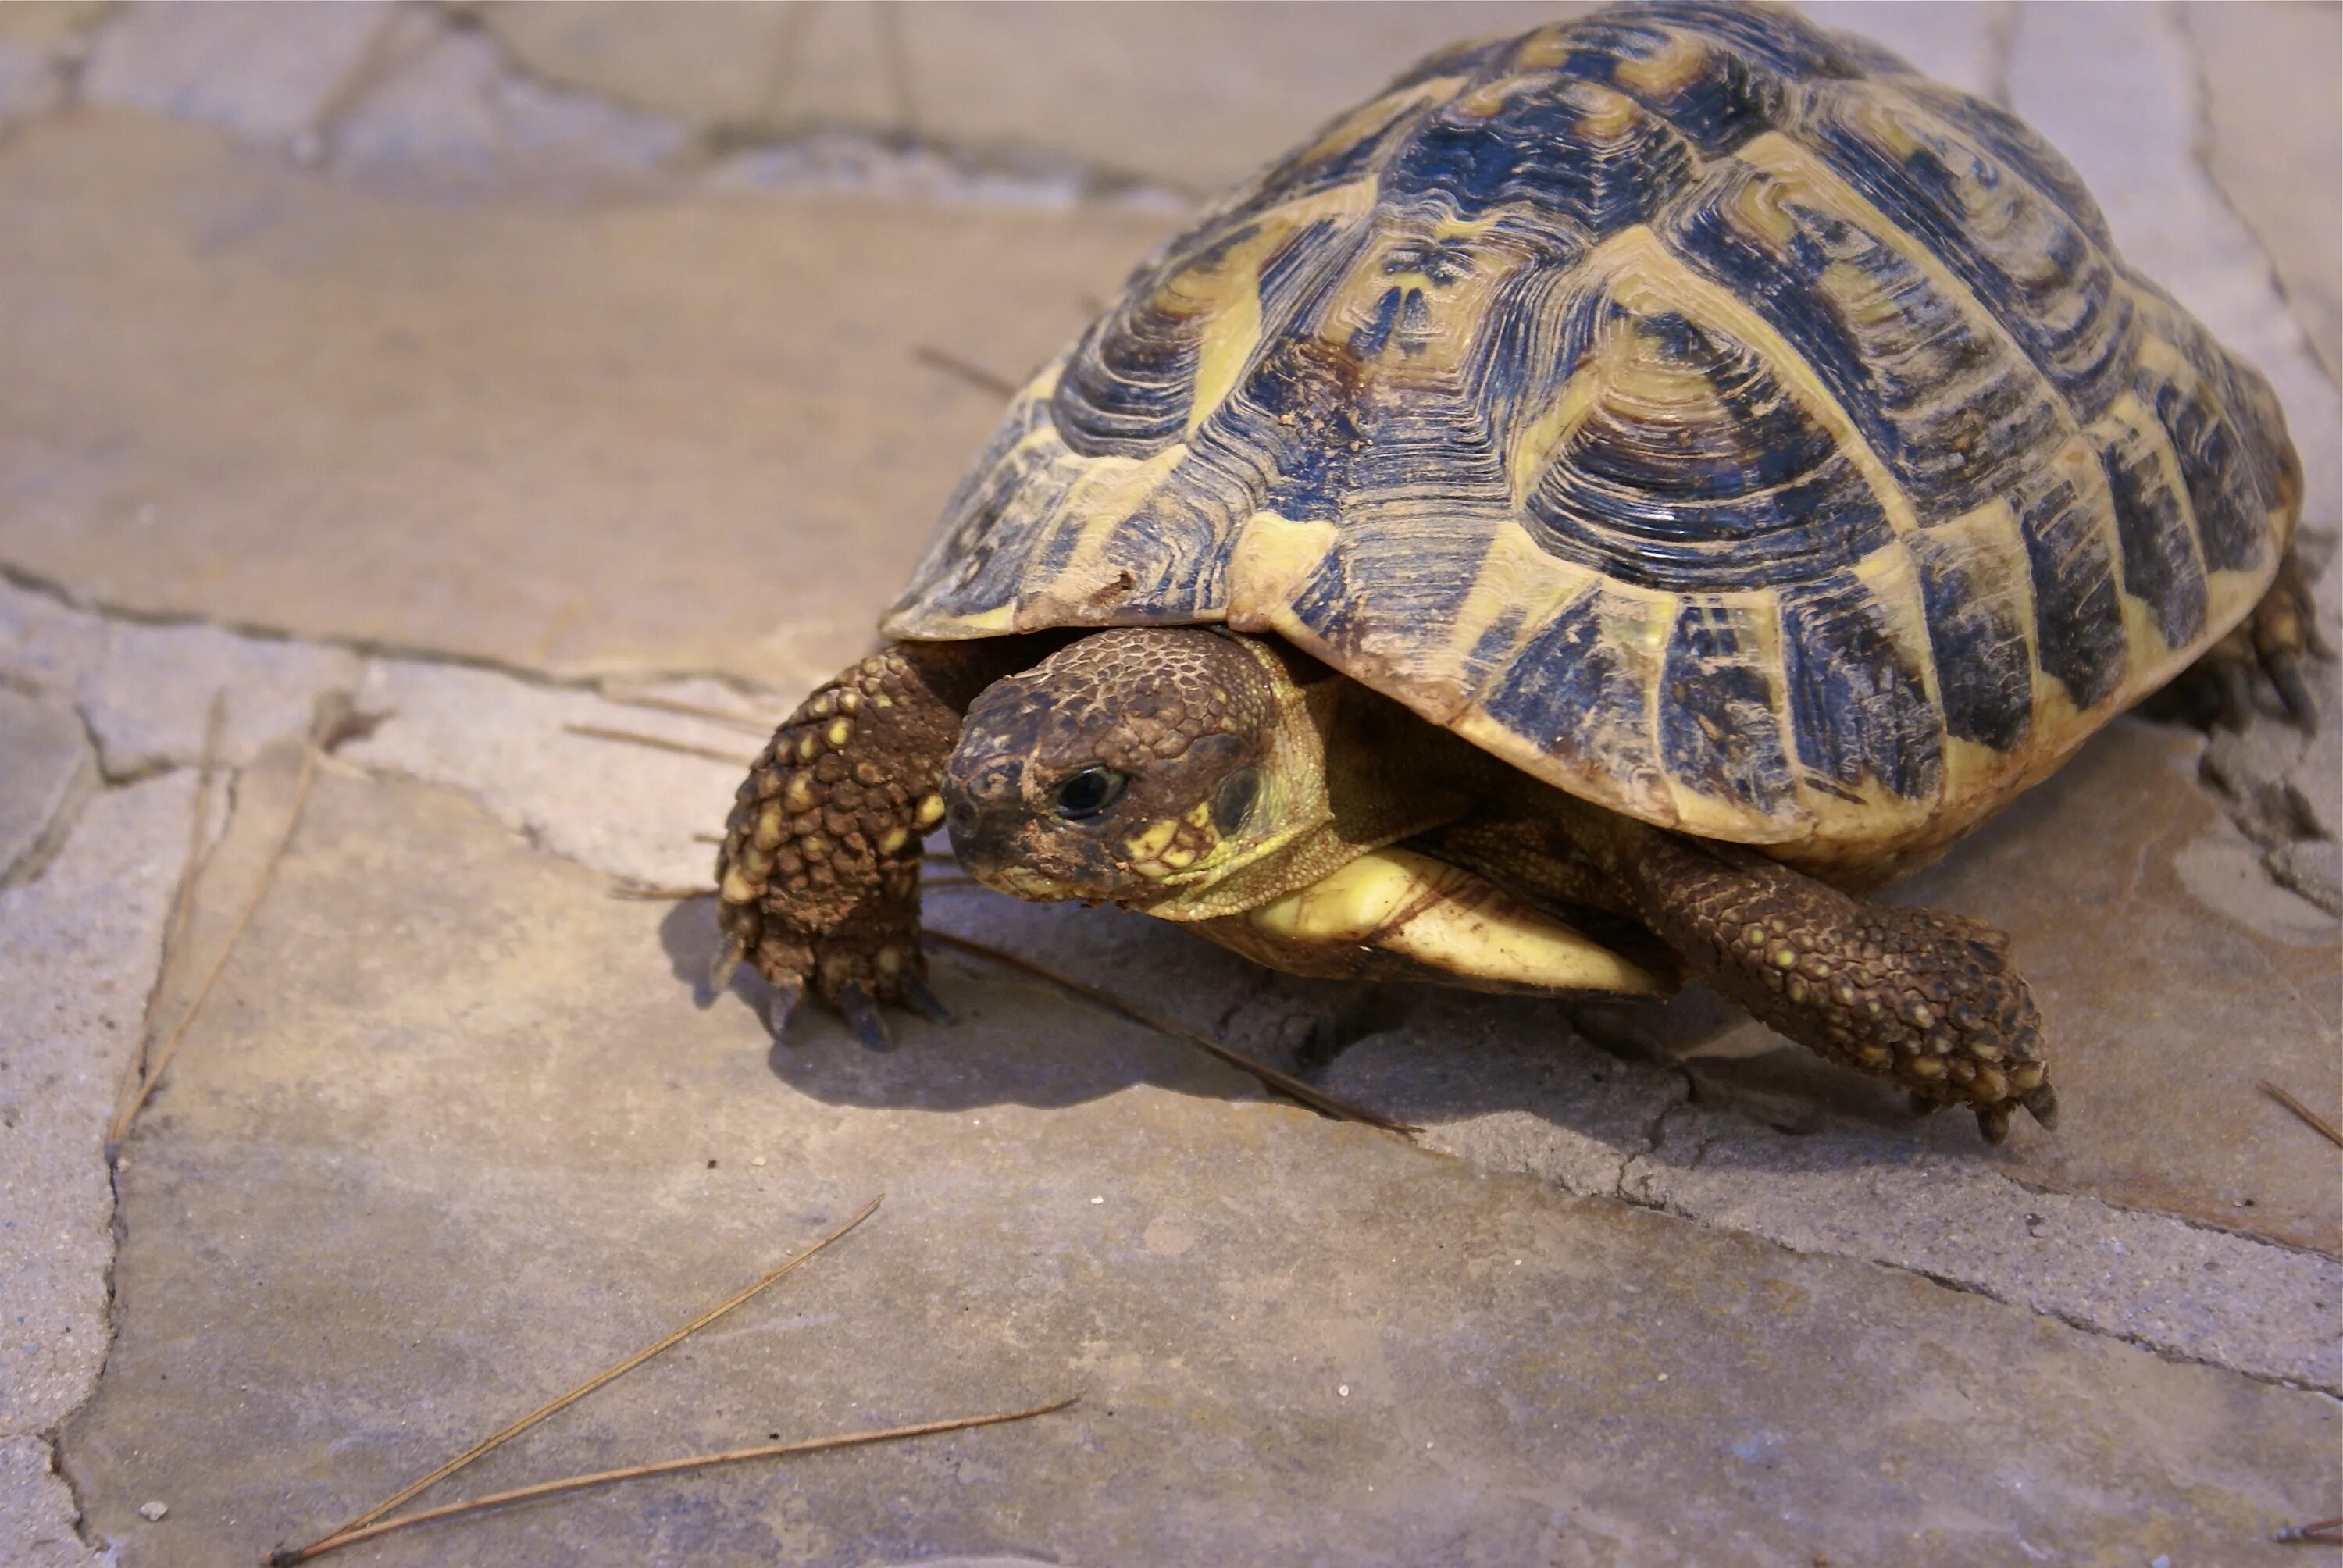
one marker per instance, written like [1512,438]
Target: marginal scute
[1693,408]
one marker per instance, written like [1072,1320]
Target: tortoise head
[1126,766]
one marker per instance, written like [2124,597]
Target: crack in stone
[2002,25]
[2202,139]
[2073,1320]
[60,594]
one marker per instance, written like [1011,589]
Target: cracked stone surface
[36,1508]
[146,690]
[443,112]
[689,433]
[265,70]
[496,365]
[368,1219]
[2268,68]
[50,768]
[1189,95]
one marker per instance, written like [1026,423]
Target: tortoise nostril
[961,816]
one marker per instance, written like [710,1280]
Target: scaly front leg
[818,878]
[1925,997]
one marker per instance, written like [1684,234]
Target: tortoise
[1580,522]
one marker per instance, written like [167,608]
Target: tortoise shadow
[1426,1056]
[1015,1039]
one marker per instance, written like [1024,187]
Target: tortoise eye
[1089,792]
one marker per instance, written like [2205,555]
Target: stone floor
[492,364]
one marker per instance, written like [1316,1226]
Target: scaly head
[1136,766]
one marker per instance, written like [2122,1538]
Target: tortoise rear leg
[1925,997]
[817,882]
[2272,642]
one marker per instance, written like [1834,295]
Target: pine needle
[1283,1083]
[976,376]
[662,1467]
[653,893]
[746,721]
[357,1530]
[659,743]
[2318,1124]
[183,903]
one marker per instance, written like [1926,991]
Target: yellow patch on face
[1152,840]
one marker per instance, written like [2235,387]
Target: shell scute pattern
[1696,409]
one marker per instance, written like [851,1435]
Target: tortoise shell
[1698,409]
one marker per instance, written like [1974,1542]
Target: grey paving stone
[628,810]
[265,70]
[2274,103]
[672,435]
[145,692]
[36,1510]
[80,948]
[444,112]
[2208,1295]
[46,769]
[370,1219]
[1192,96]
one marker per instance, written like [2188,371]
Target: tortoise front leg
[817,882]
[1926,998]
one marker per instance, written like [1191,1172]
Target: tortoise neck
[1348,771]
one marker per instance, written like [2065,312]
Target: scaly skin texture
[1926,998]
[817,882]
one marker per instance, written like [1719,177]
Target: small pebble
[759,1159]
[1343,1389]
[153,1510]
[1098,1199]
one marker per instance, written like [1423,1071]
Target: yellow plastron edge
[1446,919]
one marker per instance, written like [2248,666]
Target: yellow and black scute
[1697,408]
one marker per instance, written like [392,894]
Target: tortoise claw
[1992,1122]
[863,1016]
[726,959]
[925,1002]
[2284,672]
[2234,696]
[2043,1104]
[781,1002]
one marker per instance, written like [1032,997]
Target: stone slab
[368,1220]
[145,692]
[46,768]
[674,434]
[2274,100]
[262,70]
[446,114]
[1189,95]
[80,948]
[630,810]
[36,1510]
